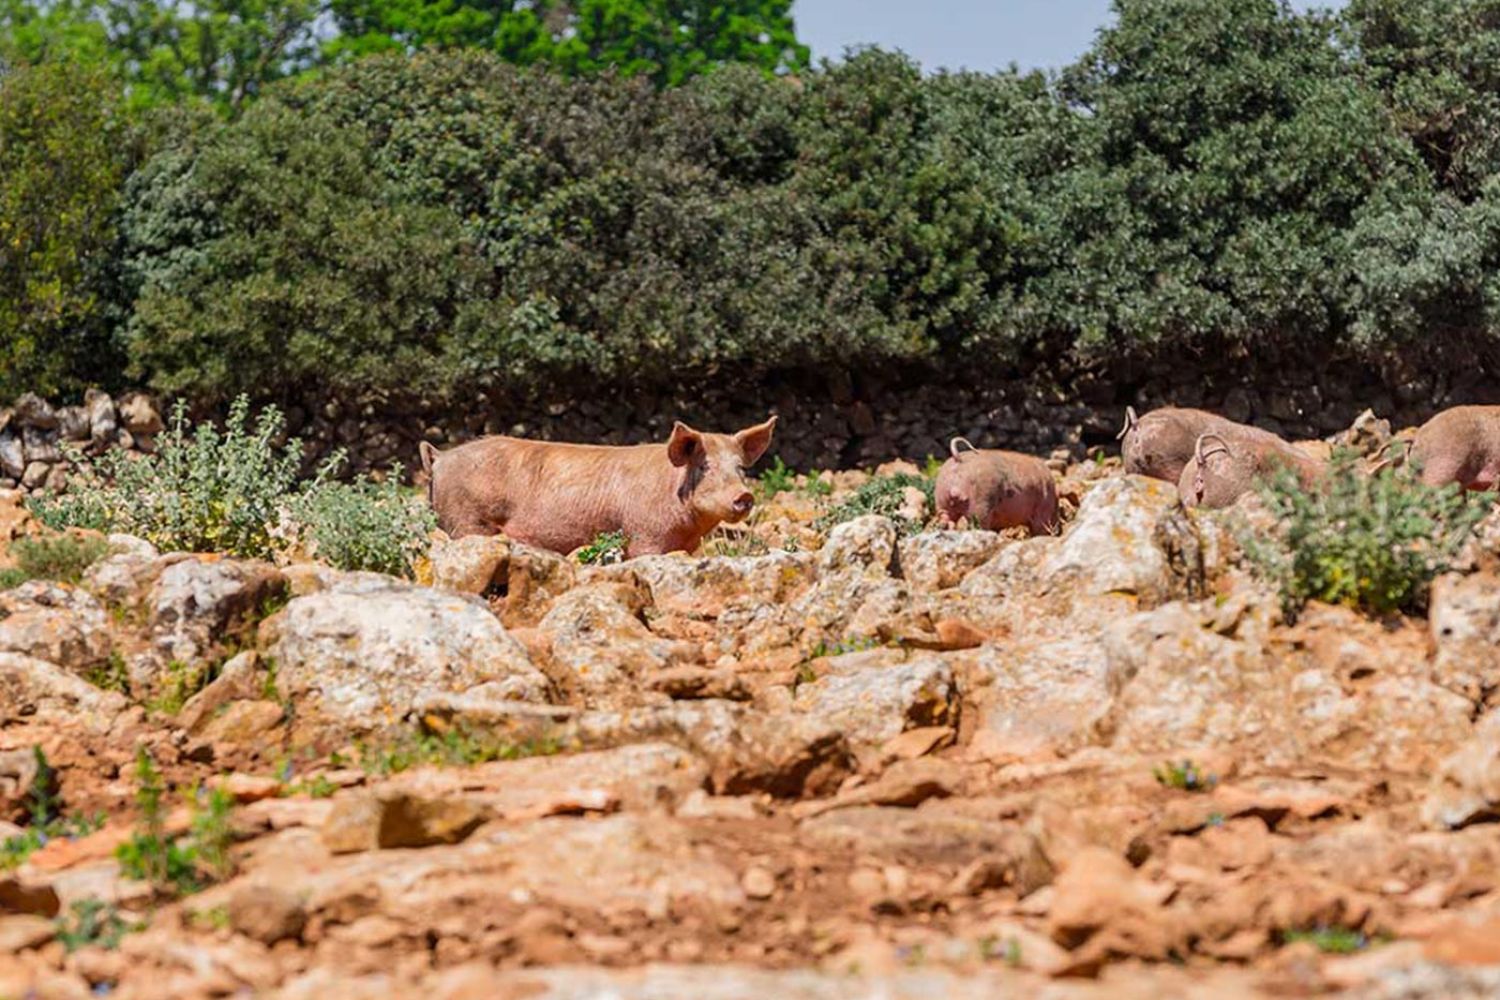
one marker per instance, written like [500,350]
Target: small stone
[266,913]
[248,787]
[140,415]
[758,883]
[367,822]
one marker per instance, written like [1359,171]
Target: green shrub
[235,490]
[455,747]
[45,820]
[61,557]
[364,525]
[1184,776]
[1334,940]
[881,495]
[203,490]
[93,923]
[607,547]
[179,865]
[64,151]
[1369,542]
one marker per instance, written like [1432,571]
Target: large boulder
[1466,787]
[358,658]
[937,560]
[705,587]
[45,692]
[874,696]
[600,641]
[1464,619]
[1132,535]
[1037,697]
[197,599]
[1340,690]
[59,624]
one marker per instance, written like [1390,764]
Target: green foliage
[61,557]
[64,150]
[45,820]
[234,490]
[218,51]
[1335,940]
[773,480]
[880,495]
[93,923]
[319,787]
[112,675]
[364,525]
[176,865]
[181,682]
[1369,542]
[607,547]
[1185,777]
[1219,178]
[204,490]
[455,747]
[852,644]
[666,40]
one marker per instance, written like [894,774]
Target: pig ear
[684,445]
[754,441]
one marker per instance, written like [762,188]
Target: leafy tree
[64,147]
[666,40]
[224,51]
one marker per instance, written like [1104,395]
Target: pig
[998,489]
[1161,443]
[1460,445]
[1224,467]
[664,497]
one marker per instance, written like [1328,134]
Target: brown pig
[998,489]
[664,497]
[1161,443]
[1460,445]
[1224,467]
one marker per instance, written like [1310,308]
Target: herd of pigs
[667,497]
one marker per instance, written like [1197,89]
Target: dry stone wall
[829,421]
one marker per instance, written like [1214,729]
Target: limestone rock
[358,658]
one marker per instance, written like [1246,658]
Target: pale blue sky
[961,34]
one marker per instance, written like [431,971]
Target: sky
[960,34]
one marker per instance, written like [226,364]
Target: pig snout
[954,506]
[742,504]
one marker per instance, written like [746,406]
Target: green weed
[608,547]
[1184,777]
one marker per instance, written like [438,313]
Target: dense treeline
[1213,177]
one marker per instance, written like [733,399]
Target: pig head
[664,497]
[1225,467]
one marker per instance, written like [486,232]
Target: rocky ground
[852,763]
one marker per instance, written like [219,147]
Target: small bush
[1335,940]
[777,478]
[177,865]
[236,491]
[204,490]
[364,525]
[1369,542]
[57,557]
[454,748]
[881,495]
[45,821]
[92,923]
[1185,777]
[607,547]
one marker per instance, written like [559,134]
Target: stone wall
[828,421]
